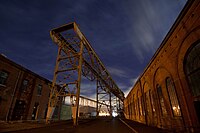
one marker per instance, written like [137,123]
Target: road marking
[128,126]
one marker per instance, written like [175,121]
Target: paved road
[103,125]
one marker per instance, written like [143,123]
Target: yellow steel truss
[75,58]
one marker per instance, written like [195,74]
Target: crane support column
[79,82]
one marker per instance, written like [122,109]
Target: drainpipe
[12,98]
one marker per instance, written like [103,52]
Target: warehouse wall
[164,94]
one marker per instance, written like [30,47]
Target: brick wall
[168,61]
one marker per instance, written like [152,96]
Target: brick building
[167,93]
[23,94]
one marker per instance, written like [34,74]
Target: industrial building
[167,93]
[23,94]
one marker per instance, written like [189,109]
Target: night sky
[124,33]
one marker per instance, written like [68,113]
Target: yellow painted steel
[75,58]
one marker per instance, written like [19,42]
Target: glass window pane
[161,99]
[39,90]
[193,69]
[148,106]
[140,106]
[133,107]
[138,101]
[3,77]
[24,85]
[173,98]
[194,79]
[136,107]
[153,103]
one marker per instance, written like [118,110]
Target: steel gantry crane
[77,58]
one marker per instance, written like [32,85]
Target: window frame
[4,79]
[148,102]
[39,90]
[152,99]
[162,105]
[170,96]
[190,73]
[133,106]
[24,87]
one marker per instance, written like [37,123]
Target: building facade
[23,94]
[167,93]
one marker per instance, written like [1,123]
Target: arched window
[133,107]
[136,108]
[141,106]
[138,103]
[161,100]
[130,107]
[129,110]
[152,99]
[3,77]
[192,68]
[173,97]
[147,101]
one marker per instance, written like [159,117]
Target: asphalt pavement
[99,125]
